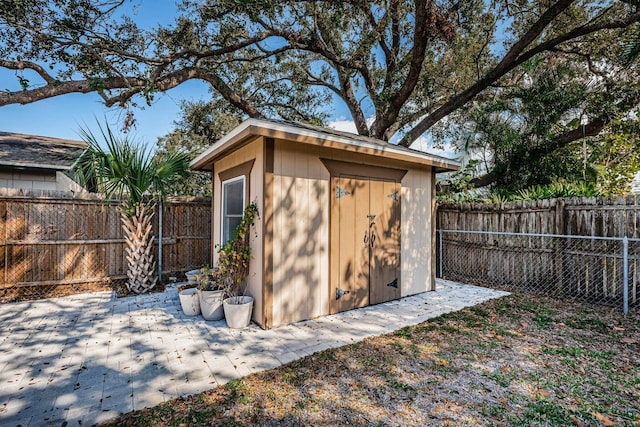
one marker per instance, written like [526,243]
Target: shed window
[233,195]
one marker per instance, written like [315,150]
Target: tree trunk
[142,266]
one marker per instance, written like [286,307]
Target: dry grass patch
[519,360]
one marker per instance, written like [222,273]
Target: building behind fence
[54,244]
[586,249]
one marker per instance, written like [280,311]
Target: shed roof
[41,152]
[314,135]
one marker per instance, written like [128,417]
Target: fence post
[625,274]
[161,208]
[440,252]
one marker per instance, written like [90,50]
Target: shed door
[365,234]
[384,261]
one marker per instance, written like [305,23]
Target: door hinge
[393,284]
[341,192]
[393,196]
[340,293]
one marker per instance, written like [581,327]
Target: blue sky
[63,116]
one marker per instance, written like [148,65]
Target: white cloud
[343,125]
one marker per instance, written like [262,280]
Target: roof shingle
[38,151]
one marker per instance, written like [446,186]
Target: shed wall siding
[416,232]
[301,196]
[301,234]
[253,150]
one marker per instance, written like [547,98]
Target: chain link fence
[56,244]
[599,270]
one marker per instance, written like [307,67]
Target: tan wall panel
[253,150]
[416,232]
[301,247]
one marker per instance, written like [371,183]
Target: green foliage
[398,62]
[207,280]
[200,125]
[558,189]
[126,170]
[558,124]
[616,156]
[234,255]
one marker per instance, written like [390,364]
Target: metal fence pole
[625,274]
[160,240]
[440,252]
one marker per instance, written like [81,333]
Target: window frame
[224,183]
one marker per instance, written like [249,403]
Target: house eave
[256,127]
[41,166]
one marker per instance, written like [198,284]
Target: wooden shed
[345,220]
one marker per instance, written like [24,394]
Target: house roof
[314,135]
[41,152]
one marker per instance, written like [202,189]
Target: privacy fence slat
[587,269]
[54,244]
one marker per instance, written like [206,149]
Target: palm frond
[126,170]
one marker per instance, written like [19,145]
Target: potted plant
[210,293]
[189,300]
[233,269]
[191,276]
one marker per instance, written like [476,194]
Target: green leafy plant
[208,280]
[128,171]
[234,256]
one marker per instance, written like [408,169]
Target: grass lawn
[521,360]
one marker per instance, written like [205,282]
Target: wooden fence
[54,243]
[587,216]
[586,269]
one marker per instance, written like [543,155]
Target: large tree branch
[498,71]
[350,99]
[427,17]
[130,86]
[22,65]
[511,61]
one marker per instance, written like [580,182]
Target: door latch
[340,293]
[394,283]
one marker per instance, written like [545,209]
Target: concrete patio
[87,358]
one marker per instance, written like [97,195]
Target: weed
[455,330]
[503,332]
[201,416]
[404,332]
[592,324]
[563,351]
[493,411]
[543,321]
[503,378]
[326,355]
[407,388]
[238,390]
[543,412]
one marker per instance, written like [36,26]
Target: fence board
[54,244]
[591,269]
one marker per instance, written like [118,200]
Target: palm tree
[130,173]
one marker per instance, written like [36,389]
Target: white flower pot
[189,301]
[191,276]
[211,304]
[237,311]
